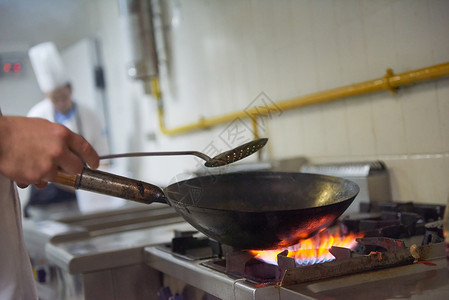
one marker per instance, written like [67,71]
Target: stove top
[400,256]
[417,281]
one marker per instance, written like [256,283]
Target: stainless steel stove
[140,254]
[413,281]
[401,255]
[395,265]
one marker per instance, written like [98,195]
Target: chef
[58,106]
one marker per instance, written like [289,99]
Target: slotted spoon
[221,159]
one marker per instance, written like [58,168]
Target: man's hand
[33,150]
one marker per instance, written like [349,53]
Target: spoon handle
[140,154]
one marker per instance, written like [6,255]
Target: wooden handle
[65,179]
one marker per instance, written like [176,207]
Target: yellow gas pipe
[388,82]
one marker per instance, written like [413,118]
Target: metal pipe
[136,20]
[389,82]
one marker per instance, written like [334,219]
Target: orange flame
[311,251]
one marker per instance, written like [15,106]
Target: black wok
[252,210]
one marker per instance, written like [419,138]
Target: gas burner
[394,220]
[186,246]
[370,254]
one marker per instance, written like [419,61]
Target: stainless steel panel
[206,279]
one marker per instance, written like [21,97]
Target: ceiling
[24,23]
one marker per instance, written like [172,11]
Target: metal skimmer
[221,159]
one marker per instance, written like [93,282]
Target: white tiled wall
[222,54]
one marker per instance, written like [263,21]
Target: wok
[250,210]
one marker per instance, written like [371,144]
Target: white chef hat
[48,67]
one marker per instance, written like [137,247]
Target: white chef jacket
[84,122]
[16,276]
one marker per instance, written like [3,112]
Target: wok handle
[113,185]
